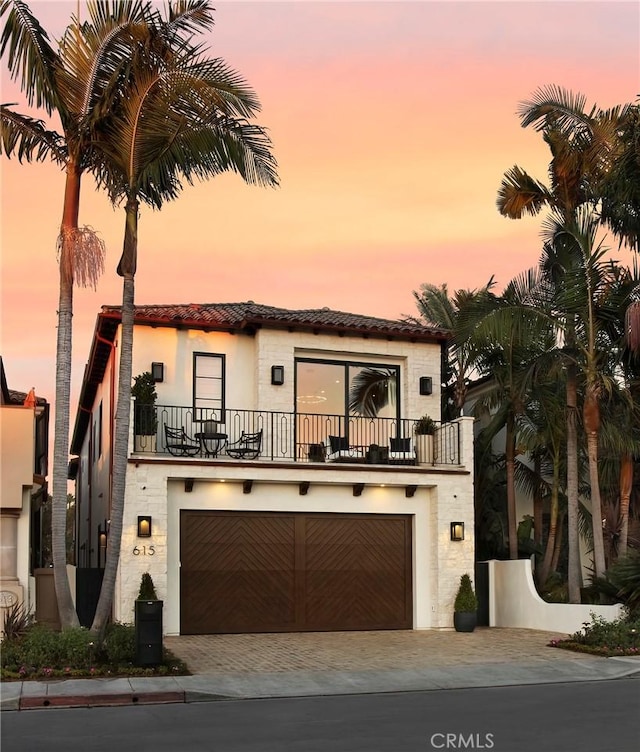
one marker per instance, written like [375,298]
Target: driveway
[365,651]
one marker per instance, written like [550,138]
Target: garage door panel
[253,572]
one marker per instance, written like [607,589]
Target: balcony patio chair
[247,447]
[179,444]
[339,450]
[401,452]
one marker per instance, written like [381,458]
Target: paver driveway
[363,651]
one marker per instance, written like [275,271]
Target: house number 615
[144,550]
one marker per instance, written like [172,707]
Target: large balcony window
[351,395]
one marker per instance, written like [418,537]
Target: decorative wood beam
[304,487]
[409,491]
[188,485]
[358,488]
[246,486]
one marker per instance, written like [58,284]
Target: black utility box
[148,633]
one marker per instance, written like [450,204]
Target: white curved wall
[514,602]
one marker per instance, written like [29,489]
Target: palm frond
[30,57]
[28,138]
[553,103]
[520,194]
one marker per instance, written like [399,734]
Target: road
[599,716]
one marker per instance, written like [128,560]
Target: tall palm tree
[621,203]
[80,82]
[582,144]
[184,116]
[589,304]
[75,82]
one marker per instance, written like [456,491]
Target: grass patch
[41,653]
[605,638]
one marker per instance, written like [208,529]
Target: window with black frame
[357,403]
[208,386]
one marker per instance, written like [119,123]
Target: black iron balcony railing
[289,436]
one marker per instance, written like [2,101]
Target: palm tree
[508,339]
[74,82]
[621,204]
[80,82]
[542,432]
[582,145]
[184,116]
[457,314]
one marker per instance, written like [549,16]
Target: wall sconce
[102,540]
[426,385]
[457,531]
[144,526]
[277,375]
[157,372]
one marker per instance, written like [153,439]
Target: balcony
[290,437]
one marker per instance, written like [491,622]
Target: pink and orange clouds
[392,123]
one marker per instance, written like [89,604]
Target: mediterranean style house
[24,429]
[285,478]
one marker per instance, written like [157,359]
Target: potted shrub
[145,422]
[424,429]
[465,607]
[148,624]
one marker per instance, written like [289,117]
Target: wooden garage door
[271,572]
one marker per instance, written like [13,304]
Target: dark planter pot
[465,621]
[148,629]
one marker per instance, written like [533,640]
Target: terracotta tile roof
[250,315]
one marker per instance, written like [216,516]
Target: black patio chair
[179,444]
[247,447]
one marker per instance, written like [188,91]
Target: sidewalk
[261,666]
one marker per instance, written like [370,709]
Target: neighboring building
[328,520]
[24,429]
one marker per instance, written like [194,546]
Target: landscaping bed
[39,653]
[605,638]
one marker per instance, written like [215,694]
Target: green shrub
[119,644]
[601,637]
[466,600]
[425,426]
[624,633]
[147,589]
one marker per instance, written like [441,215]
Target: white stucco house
[282,489]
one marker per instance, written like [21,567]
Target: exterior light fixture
[457,531]
[277,375]
[157,372]
[144,526]
[426,385]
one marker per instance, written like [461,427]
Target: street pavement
[226,667]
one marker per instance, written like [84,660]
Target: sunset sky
[392,124]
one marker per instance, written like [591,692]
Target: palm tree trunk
[591,416]
[510,459]
[545,569]
[537,503]
[626,482]
[558,546]
[574,577]
[66,609]
[123,413]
